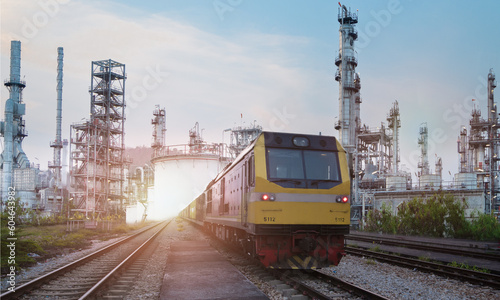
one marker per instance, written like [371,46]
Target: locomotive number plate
[269,219]
[339,219]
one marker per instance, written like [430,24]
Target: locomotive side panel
[226,198]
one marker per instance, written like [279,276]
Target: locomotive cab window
[321,165]
[285,164]
[296,168]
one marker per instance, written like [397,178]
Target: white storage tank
[430,181]
[465,181]
[179,178]
[395,183]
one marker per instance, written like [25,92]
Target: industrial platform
[197,271]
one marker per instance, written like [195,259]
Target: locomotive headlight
[342,199]
[268,197]
[301,141]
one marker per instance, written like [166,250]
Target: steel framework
[97,157]
[159,123]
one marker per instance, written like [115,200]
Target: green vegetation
[424,258]
[10,223]
[370,261]
[438,216]
[467,267]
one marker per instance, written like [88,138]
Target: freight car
[284,200]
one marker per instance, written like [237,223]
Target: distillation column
[349,83]
[423,164]
[13,128]
[494,144]
[394,122]
[159,123]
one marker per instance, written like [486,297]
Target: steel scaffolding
[97,157]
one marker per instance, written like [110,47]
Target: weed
[467,267]
[424,258]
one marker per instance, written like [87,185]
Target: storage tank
[430,181]
[395,183]
[181,174]
[465,181]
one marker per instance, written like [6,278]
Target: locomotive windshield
[303,168]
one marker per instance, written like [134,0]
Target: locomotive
[284,200]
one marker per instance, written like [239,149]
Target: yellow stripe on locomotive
[298,213]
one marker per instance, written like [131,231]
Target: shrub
[438,216]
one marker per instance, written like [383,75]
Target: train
[285,200]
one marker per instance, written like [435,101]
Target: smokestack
[15,70]
[60,56]
[57,144]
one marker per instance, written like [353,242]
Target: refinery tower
[349,81]
[17,172]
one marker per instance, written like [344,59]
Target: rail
[430,267]
[33,284]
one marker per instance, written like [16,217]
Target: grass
[370,261]
[467,267]
[424,258]
[376,249]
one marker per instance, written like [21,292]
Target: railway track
[85,278]
[440,269]
[311,283]
[428,246]
[317,285]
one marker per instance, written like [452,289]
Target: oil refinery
[91,175]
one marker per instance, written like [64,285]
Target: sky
[225,63]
